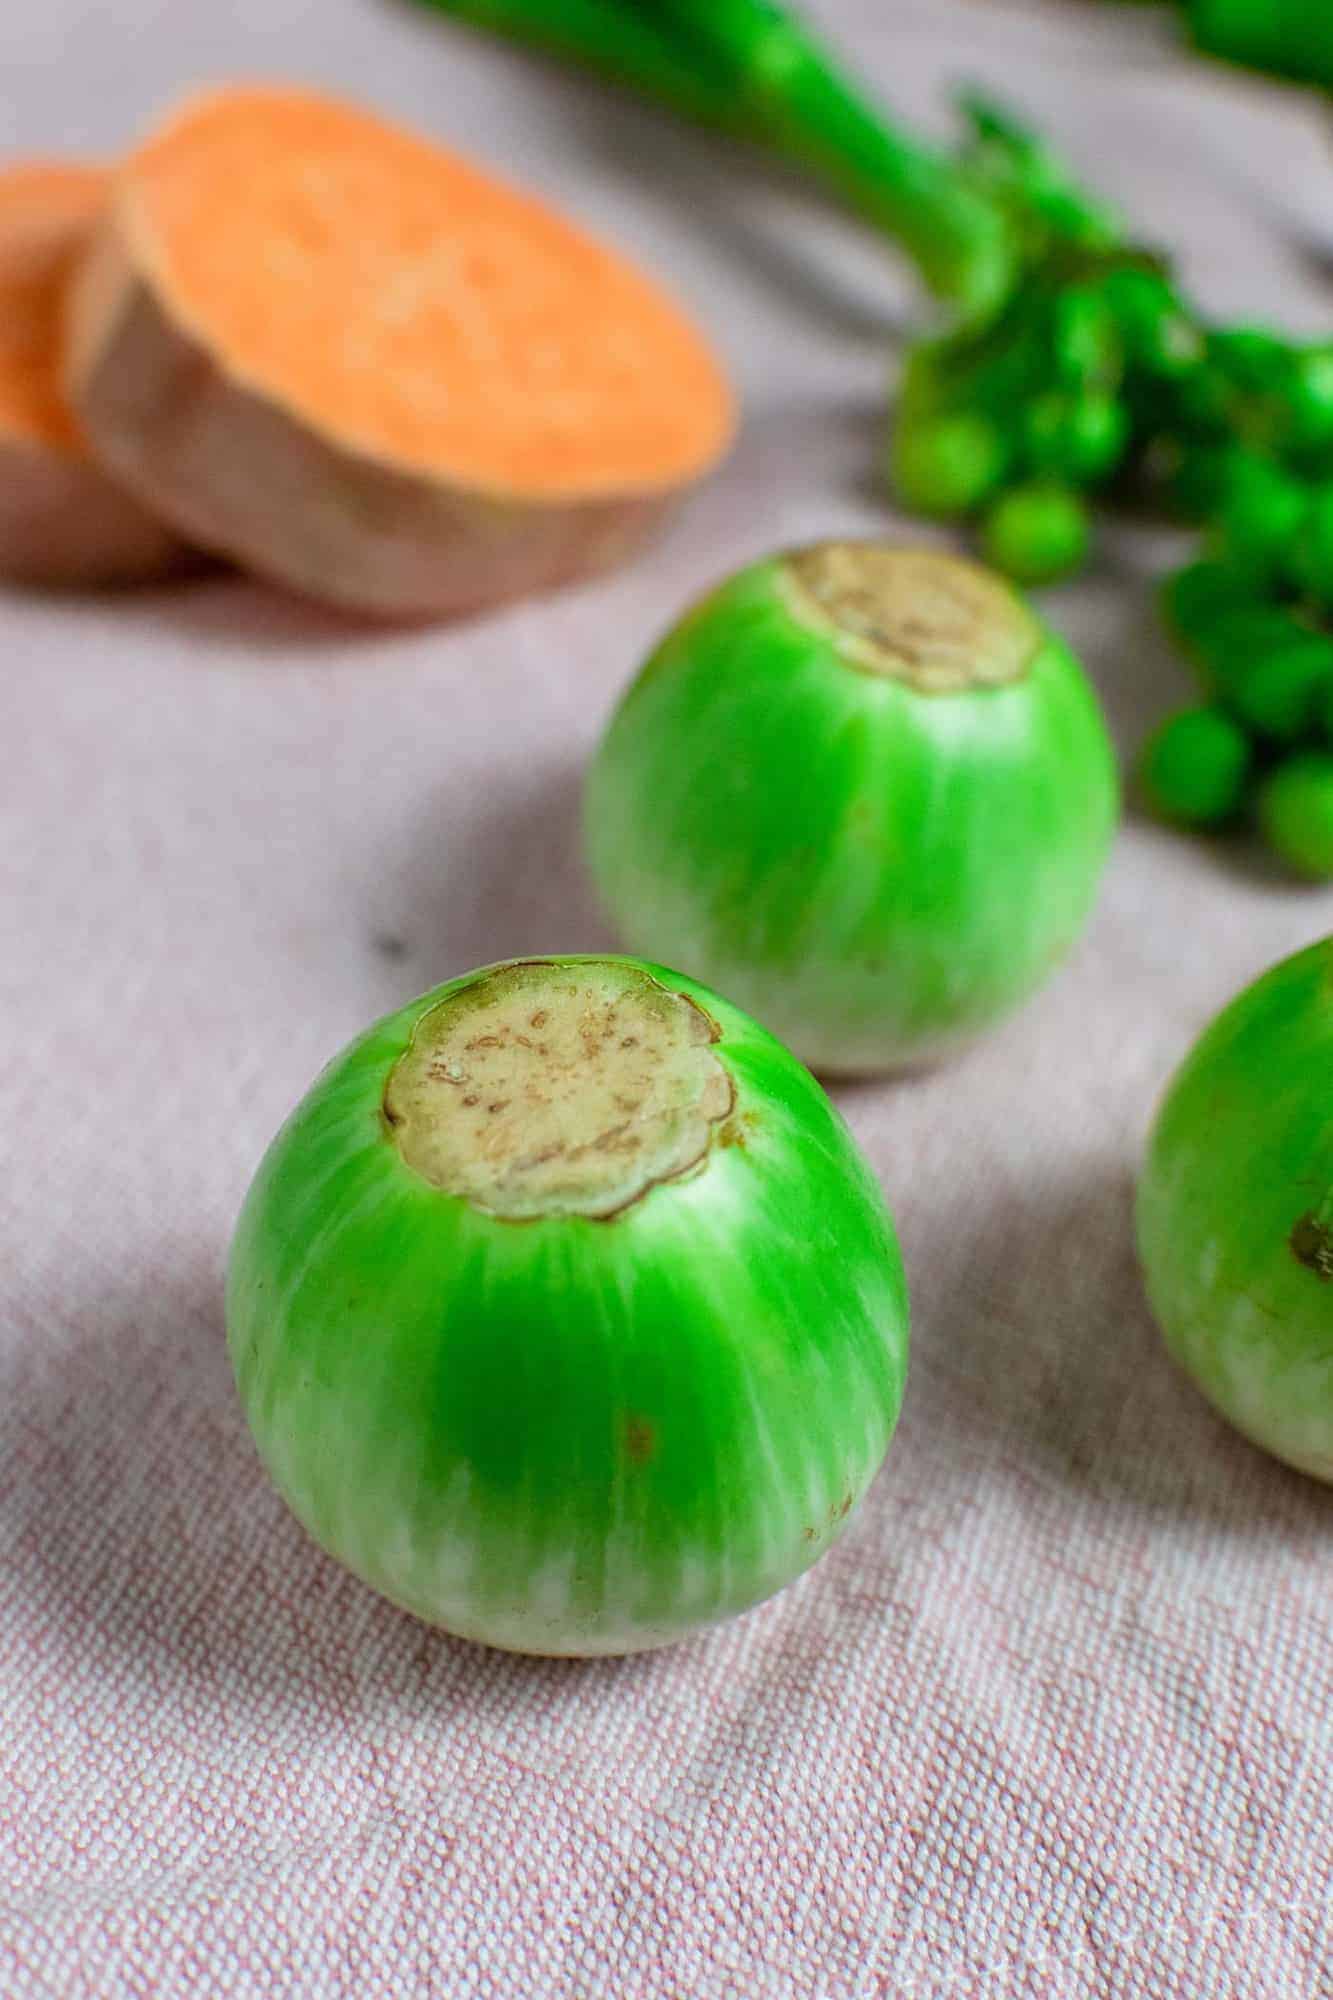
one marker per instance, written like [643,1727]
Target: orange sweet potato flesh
[62,520]
[349,358]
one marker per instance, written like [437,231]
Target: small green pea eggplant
[564,1310]
[862,790]
[1295,813]
[1037,533]
[1235,1212]
[1195,766]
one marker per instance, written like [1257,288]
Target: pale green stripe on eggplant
[1241,1152]
[873,871]
[569,1434]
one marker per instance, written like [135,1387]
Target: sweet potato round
[354,362]
[63,521]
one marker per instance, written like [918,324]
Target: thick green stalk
[1291,37]
[750,69]
[794,94]
[610,39]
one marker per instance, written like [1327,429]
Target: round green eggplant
[1235,1212]
[564,1310]
[862,790]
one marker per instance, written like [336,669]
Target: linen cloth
[1054,1718]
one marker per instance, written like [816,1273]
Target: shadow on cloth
[1036,1354]
[141,1525]
[213,605]
[143,1531]
[225,607]
[505,880]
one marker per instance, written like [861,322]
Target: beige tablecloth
[1053,1719]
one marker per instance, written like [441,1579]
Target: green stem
[609,39]
[1290,37]
[811,112]
[749,68]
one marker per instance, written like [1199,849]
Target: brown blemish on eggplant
[739,1129]
[1312,1245]
[640,1439]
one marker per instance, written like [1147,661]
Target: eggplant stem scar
[623,1092]
[933,621]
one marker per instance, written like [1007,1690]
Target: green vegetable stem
[613,40]
[1073,365]
[1291,37]
[1073,371]
[752,70]
[799,101]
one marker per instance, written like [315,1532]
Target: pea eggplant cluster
[1254,616]
[1021,424]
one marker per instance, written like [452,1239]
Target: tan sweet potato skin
[237,474]
[63,522]
[64,525]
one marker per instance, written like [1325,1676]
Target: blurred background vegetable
[1290,37]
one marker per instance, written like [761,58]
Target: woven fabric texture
[1054,1718]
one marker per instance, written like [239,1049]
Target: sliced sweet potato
[349,359]
[62,519]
